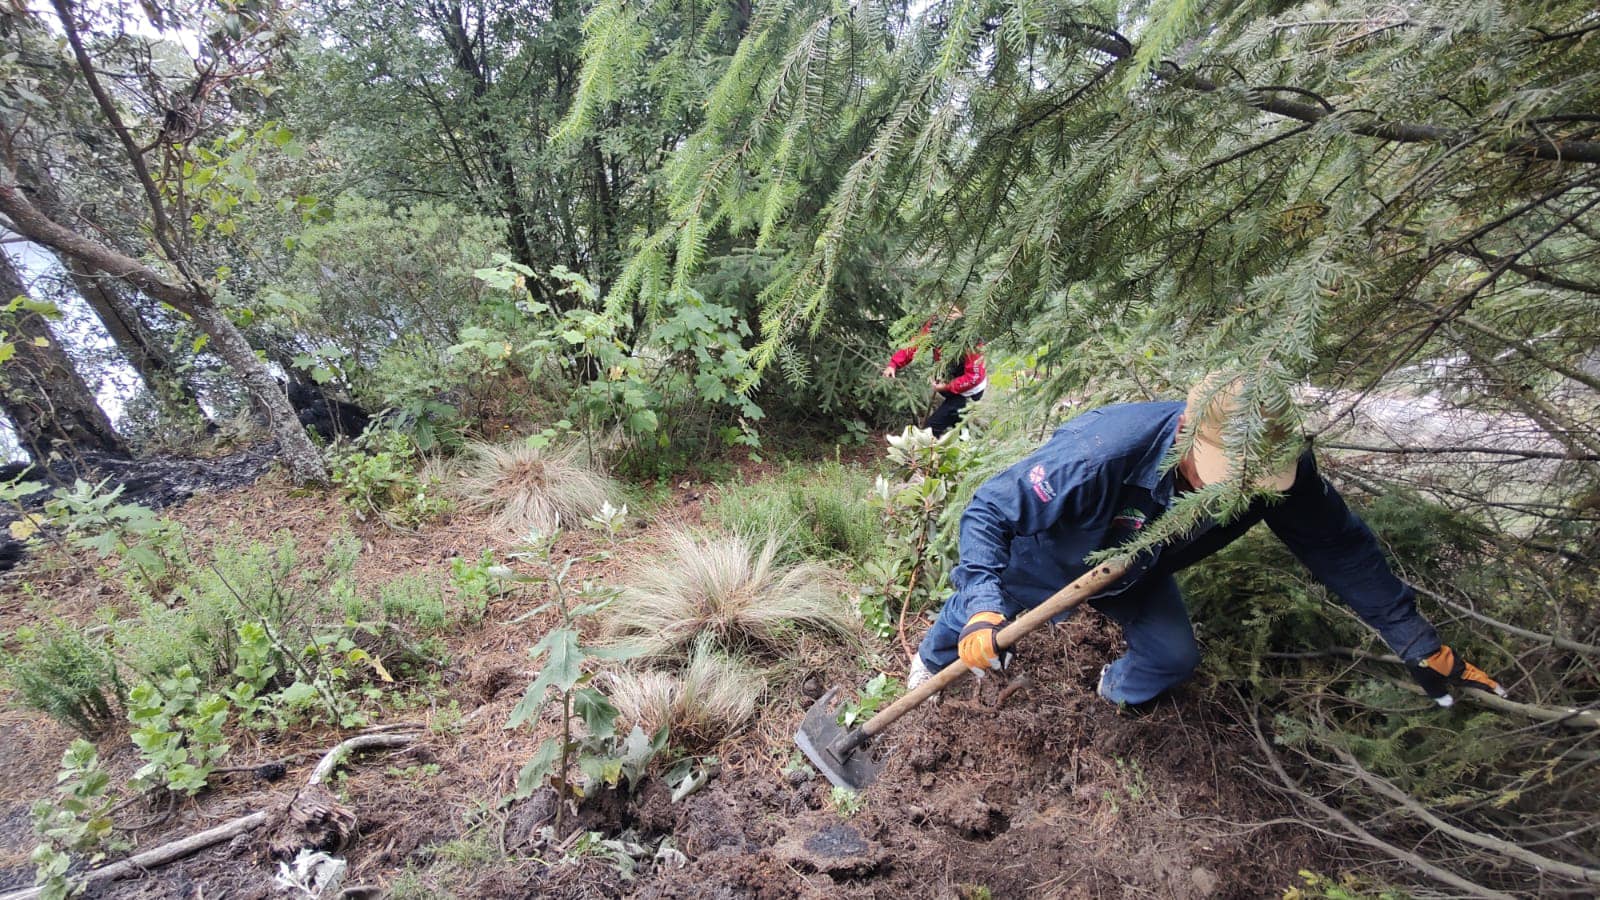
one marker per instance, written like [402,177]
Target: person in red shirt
[960,382]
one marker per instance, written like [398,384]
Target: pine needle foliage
[731,592]
[65,676]
[1278,191]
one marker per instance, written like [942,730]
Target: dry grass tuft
[713,695]
[731,590]
[529,489]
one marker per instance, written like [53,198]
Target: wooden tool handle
[1085,586]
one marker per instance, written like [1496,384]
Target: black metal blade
[819,733]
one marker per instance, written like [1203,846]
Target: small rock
[1205,883]
[927,779]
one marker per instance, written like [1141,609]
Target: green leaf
[605,769]
[598,715]
[536,770]
[642,420]
[298,694]
[563,661]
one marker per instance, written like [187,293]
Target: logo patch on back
[1131,518]
[1041,487]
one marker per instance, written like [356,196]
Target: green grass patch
[822,509]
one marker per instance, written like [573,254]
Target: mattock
[841,754]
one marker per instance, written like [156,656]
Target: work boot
[917,674]
[1124,708]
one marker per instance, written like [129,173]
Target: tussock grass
[529,489]
[731,590]
[711,697]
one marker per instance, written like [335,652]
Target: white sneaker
[918,673]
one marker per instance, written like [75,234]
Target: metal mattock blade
[819,733]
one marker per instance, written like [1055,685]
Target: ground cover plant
[821,511]
[730,590]
[530,486]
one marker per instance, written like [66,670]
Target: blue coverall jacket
[1096,482]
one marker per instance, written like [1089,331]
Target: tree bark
[46,399]
[304,461]
[302,457]
[154,362]
[120,314]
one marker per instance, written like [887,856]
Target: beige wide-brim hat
[1212,461]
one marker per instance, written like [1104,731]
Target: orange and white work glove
[1444,668]
[977,646]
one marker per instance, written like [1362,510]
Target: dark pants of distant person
[948,414]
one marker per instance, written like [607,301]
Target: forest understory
[1049,793]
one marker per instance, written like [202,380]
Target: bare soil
[1052,793]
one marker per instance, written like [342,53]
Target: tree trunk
[301,456]
[46,399]
[450,18]
[154,362]
[192,299]
[122,318]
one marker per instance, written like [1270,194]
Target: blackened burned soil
[1055,794]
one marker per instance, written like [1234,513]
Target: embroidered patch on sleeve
[1041,484]
[1131,518]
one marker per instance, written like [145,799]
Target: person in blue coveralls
[1097,482]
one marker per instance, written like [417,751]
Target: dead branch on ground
[172,851]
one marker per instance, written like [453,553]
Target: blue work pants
[1162,652]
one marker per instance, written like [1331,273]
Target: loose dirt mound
[1054,794]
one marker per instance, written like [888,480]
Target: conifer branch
[1535,146]
[1360,834]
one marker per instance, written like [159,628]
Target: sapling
[96,519]
[875,694]
[910,574]
[599,752]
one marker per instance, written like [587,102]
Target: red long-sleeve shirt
[972,376]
